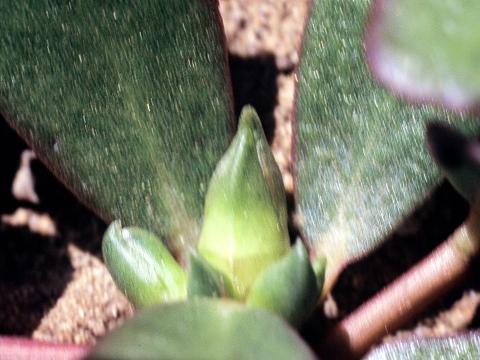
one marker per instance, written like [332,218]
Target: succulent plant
[129,105]
[244,249]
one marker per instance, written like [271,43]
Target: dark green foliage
[206,281]
[126,102]
[288,287]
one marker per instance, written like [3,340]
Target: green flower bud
[206,281]
[245,221]
[288,287]
[142,267]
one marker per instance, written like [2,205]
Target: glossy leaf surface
[203,329]
[142,266]
[460,347]
[427,50]
[126,102]
[361,159]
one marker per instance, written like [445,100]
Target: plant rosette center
[244,249]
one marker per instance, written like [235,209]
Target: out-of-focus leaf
[459,159]
[203,329]
[142,267]
[361,160]
[126,102]
[206,281]
[461,347]
[245,223]
[287,287]
[427,50]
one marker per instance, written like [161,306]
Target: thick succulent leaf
[206,281]
[126,102]
[459,347]
[361,159]
[427,50]
[459,159]
[203,329]
[142,266]
[287,287]
[245,227]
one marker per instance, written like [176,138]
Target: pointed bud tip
[249,120]
[447,146]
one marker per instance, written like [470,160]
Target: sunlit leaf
[126,102]
[361,160]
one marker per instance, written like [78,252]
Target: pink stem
[18,348]
[407,296]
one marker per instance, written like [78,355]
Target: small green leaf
[287,287]
[245,222]
[461,347]
[427,50]
[206,281]
[203,329]
[458,158]
[142,266]
[361,161]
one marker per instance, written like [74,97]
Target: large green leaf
[427,50]
[460,347]
[203,329]
[361,161]
[126,102]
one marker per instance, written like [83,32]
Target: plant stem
[17,348]
[408,295]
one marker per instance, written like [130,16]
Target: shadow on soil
[35,269]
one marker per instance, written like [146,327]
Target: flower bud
[142,267]
[245,220]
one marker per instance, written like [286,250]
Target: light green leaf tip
[142,267]
[288,287]
[206,281]
[245,221]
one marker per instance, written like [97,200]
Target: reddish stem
[17,348]
[407,296]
